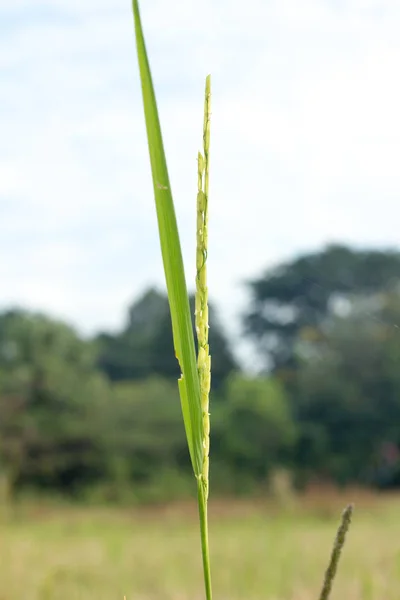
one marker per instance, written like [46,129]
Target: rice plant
[194,383]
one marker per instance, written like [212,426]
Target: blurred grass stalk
[194,383]
[337,548]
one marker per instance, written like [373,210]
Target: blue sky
[305,142]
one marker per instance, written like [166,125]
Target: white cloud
[305,141]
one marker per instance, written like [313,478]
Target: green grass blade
[172,259]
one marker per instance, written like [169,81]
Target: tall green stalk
[194,383]
[201,322]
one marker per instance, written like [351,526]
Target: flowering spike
[201,302]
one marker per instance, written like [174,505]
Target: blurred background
[304,279]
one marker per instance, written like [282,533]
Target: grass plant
[194,383]
[259,551]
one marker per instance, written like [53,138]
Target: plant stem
[202,501]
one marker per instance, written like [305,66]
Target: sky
[305,143]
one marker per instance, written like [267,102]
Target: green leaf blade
[172,259]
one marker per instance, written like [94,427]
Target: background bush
[101,417]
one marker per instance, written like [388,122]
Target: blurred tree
[348,395]
[64,427]
[132,353]
[143,434]
[299,296]
[144,348]
[254,430]
[48,396]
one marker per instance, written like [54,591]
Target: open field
[257,552]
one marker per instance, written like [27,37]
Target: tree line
[102,416]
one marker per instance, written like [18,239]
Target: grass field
[258,551]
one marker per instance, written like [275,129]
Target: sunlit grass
[260,553]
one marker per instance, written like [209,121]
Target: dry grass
[257,551]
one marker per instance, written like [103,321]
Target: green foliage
[299,296]
[327,323]
[144,347]
[144,427]
[49,394]
[194,382]
[178,298]
[66,428]
[352,393]
[257,427]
